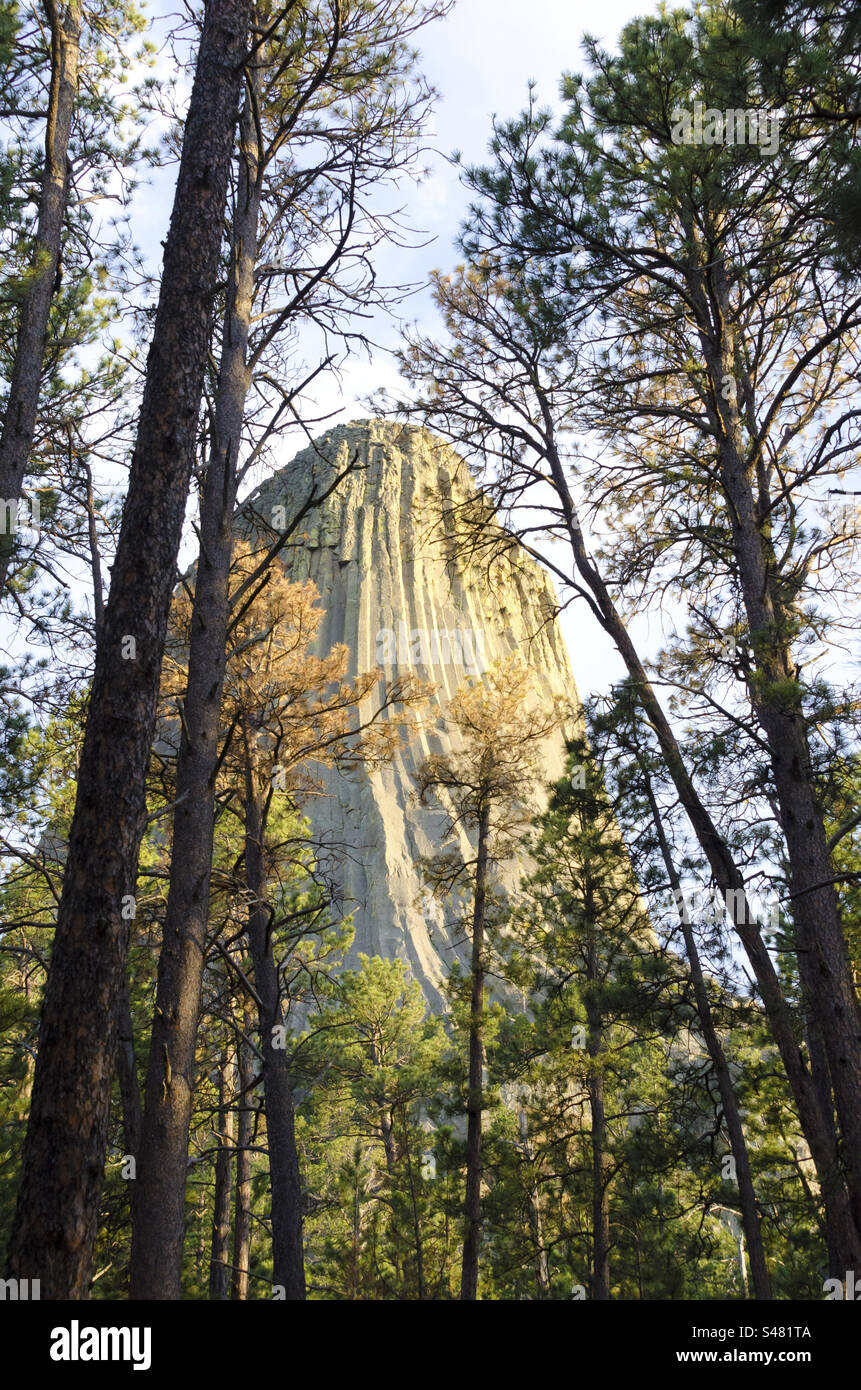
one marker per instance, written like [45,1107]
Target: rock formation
[403,592]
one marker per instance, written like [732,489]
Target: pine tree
[705,476]
[332,74]
[588,954]
[56,1220]
[52,290]
[481,791]
[369,1064]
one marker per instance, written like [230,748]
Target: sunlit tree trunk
[475,1103]
[245,1129]
[219,1268]
[19,420]
[286,1213]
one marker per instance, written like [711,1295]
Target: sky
[479,59]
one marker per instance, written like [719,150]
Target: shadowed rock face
[404,594]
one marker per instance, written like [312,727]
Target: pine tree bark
[159,1211]
[822,1081]
[63,1162]
[286,1212]
[19,421]
[127,1073]
[475,1106]
[245,1130]
[219,1268]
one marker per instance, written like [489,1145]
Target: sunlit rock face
[405,593]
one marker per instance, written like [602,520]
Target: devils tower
[404,592]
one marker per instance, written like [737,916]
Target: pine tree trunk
[414,1206]
[388,1135]
[732,1116]
[600,1291]
[63,1162]
[159,1211]
[245,1129]
[219,1268]
[19,421]
[475,1106]
[127,1072]
[822,1082]
[821,949]
[542,1271]
[844,1233]
[286,1213]
[600,1282]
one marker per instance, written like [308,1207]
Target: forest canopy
[638,1076]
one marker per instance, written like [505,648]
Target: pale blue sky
[480,59]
